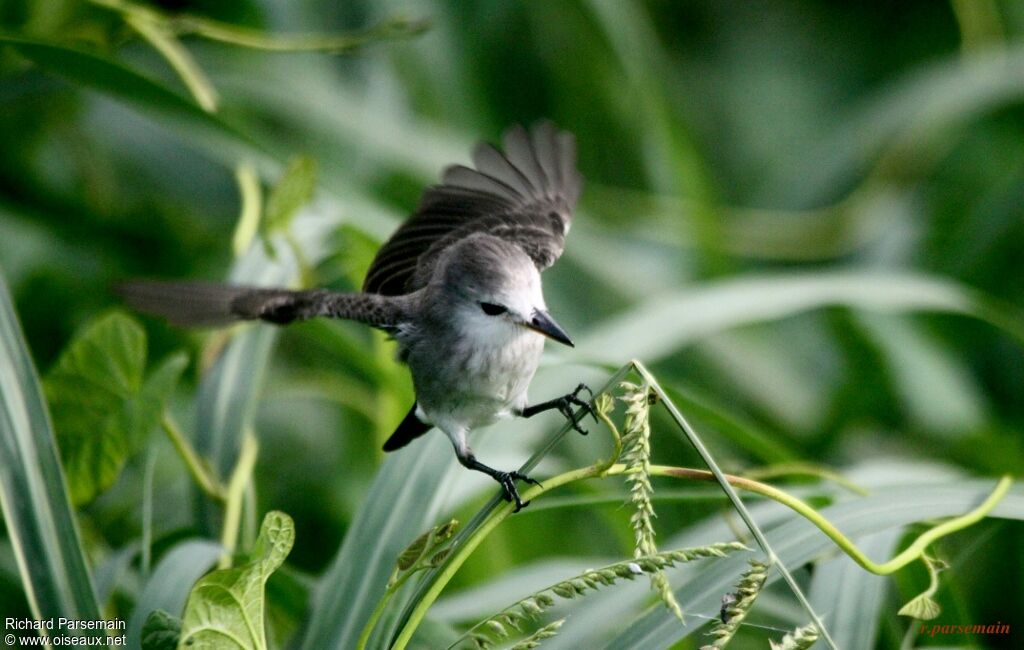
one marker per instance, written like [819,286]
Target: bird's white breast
[484,375]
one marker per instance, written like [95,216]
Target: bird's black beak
[543,323]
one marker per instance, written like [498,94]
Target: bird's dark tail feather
[200,304]
[409,429]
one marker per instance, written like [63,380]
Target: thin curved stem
[179,58]
[371,623]
[214,30]
[911,553]
[197,468]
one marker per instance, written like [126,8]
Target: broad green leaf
[161,631]
[294,190]
[145,411]
[170,582]
[36,510]
[660,326]
[226,607]
[89,389]
[101,407]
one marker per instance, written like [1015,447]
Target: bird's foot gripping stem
[565,405]
[507,481]
[508,485]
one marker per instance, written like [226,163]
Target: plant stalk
[199,471]
[236,492]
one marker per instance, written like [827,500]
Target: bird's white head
[494,288]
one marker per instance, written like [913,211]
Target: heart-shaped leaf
[226,607]
[101,406]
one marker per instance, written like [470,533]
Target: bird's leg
[507,480]
[565,404]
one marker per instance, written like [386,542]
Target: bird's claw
[507,480]
[574,399]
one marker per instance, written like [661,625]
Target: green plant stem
[378,611]
[252,207]
[255,39]
[371,623]
[913,552]
[603,406]
[463,552]
[910,554]
[196,467]
[157,34]
[236,492]
[332,43]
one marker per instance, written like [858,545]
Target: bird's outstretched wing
[525,195]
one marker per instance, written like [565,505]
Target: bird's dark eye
[493,310]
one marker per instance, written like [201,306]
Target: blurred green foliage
[725,143]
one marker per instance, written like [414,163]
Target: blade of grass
[33,496]
[403,500]
[664,324]
[212,134]
[147,513]
[852,598]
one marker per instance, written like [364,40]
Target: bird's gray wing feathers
[525,195]
[199,304]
